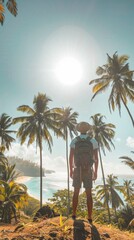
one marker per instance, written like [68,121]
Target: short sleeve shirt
[93,141]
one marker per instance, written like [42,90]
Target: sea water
[57,181]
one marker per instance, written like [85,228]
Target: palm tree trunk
[40,146]
[103,176]
[115,214]
[128,111]
[68,204]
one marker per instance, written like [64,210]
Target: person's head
[83,127]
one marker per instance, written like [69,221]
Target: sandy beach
[22,179]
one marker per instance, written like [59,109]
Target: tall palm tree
[112,186]
[68,122]
[11,6]
[37,124]
[128,161]
[116,75]
[5,138]
[104,134]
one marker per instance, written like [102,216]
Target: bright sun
[68,71]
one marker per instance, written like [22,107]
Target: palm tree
[126,213]
[116,75]
[68,122]
[128,161]
[7,171]
[12,196]
[113,197]
[104,134]
[37,125]
[11,6]
[5,138]
[128,191]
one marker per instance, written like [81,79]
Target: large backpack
[83,153]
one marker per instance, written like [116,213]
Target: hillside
[27,167]
[67,229]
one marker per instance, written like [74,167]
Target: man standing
[79,174]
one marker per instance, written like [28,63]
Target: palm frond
[100,71]
[2,10]
[26,108]
[12,7]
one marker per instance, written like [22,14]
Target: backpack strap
[79,138]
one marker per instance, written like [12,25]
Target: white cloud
[130,142]
[24,152]
[118,139]
[30,153]
[57,164]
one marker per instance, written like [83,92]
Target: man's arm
[71,159]
[95,163]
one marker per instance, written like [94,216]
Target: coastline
[23,179]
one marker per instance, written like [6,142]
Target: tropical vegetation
[11,6]
[128,192]
[12,195]
[7,171]
[117,76]
[37,125]
[128,161]
[68,121]
[5,132]
[104,134]
[111,194]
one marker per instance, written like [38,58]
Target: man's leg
[89,202]
[75,200]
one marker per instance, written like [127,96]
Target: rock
[106,235]
[53,234]
[44,211]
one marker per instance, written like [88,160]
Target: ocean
[57,181]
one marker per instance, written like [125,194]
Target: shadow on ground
[84,231]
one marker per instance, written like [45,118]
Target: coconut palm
[7,171]
[104,134]
[112,186]
[126,213]
[36,126]
[11,6]
[115,199]
[116,75]
[68,122]
[128,161]
[5,138]
[128,191]
[12,196]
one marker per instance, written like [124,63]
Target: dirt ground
[67,229]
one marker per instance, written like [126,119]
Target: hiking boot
[90,221]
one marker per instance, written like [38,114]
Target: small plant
[62,225]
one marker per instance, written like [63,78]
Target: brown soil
[52,229]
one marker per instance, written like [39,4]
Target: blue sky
[44,32]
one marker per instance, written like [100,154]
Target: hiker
[83,166]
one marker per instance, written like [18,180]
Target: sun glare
[68,71]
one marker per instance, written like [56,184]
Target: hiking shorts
[82,176]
